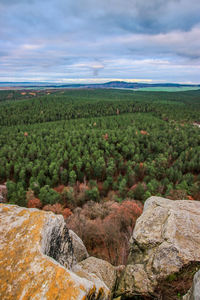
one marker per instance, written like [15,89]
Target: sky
[100,40]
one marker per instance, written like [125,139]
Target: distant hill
[111,84]
[124,84]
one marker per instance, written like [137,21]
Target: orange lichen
[23,266]
[100,293]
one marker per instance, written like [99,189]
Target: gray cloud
[63,39]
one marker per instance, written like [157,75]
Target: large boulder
[194,292]
[164,249]
[101,268]
[36,258]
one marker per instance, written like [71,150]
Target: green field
[168,89]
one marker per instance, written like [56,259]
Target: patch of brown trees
[106,228]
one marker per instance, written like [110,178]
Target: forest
[96,155]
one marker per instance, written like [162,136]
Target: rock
[1,199]
[80,251]
[164,248]
[188,295]
[196,286]
[3,193]
[99,284]
[136,276]
[101,268]
[119,269]
[36,256]
[194,292]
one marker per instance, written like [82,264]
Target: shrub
[48,196]
[34,203]
[92,194]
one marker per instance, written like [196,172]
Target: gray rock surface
[3,193]
[80,251]
[196,286]
[101,268]
[166,239]
[194,292]
[57,242]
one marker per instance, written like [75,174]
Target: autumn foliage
[57,208]
[59,188]
[106,228]
[34,203]
[66,213]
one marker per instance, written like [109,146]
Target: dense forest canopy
[136,144]
[72,104]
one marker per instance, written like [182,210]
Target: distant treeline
[73,104]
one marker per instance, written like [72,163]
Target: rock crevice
[60,246]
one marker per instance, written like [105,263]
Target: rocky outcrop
[194,292]
[164,248]
[36,257]
[41,259]
[80,251]
[101,268]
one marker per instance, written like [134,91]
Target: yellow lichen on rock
[26,272]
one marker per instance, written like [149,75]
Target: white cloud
[67,40]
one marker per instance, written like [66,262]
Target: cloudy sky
[100,40]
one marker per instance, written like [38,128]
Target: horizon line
[93,81]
